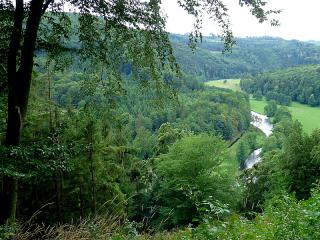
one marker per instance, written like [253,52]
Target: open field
[257,106]
[307,115]
[233,84]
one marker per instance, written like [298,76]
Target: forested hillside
[300,84]
[76,138]
[249,56]
[99,140]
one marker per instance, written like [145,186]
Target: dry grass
[92,228]
[111,225]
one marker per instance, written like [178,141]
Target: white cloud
[299,20]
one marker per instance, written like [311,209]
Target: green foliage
[249,56]
[282,114]
[167,135]
[144,142]
[271,108]
[37,161]
[279,98]
[299,84]
[7,231]
[262,182]
[289,164]
[88,149]
[247,144]
[217,111]
[242,154]
[111,168]
[284,218]
[192,178]
[268,178]
[312,100]
[258,95]
[301,162]
[101,135]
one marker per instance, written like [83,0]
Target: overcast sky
[299,20]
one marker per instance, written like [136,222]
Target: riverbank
[307,115]
[260,140]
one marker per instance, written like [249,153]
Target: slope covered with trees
[300,84]
[248,56]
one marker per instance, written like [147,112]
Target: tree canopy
[106,33]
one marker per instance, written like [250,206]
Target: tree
[103,25]
[312,100]
[271,108]
[258,95]
[282,114]
[190,174]
[242,153]
[144,143]
[301,161]
[167,135]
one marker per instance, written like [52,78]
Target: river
[263,123]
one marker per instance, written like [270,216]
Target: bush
[271,108]
[193,180]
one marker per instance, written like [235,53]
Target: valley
[307,115]
[113,128]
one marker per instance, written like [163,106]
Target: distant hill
[249,56]
[314,42]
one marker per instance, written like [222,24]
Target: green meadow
[233,84]
[307,115]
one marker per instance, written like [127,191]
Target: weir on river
[263,123]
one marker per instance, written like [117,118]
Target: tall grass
[99,227]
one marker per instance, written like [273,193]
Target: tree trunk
[19,82]
[93,183]
[91,129]
[8,203]
[81,198]
[8,197]
[58,195]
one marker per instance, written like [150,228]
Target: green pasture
[307,115]
[233,84]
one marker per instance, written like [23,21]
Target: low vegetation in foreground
[284,218]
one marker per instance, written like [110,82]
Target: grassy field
[308,116]
[233,84]
[258,106]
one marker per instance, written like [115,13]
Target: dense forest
[76,135]
[248,56]
[300,84]
[107,130]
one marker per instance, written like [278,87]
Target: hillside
[300,84]
[249,56]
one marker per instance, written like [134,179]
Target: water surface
[263,123]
